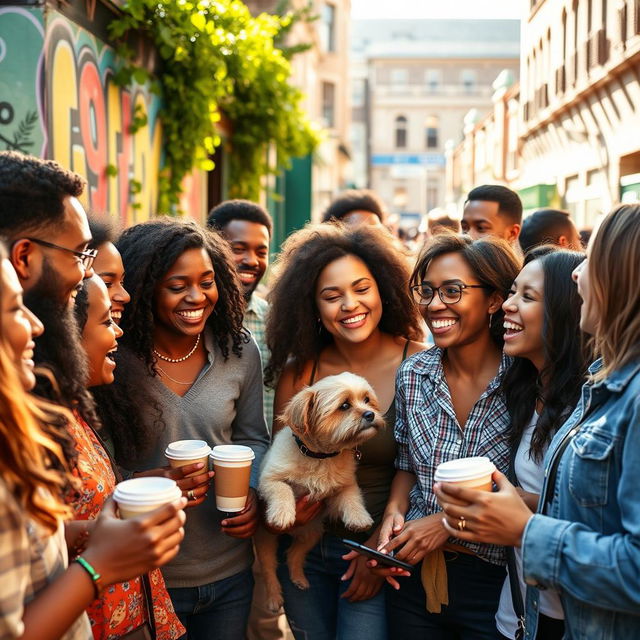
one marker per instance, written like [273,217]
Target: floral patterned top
[121,607]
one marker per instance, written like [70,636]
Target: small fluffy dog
[315,454]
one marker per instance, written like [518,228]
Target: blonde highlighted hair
[32,463]
[614,277]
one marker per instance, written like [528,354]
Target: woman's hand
[198,485]
[417,539]
[364,584]
[490,517]
[245,522]
[306,510]
[124,549]
[392,523]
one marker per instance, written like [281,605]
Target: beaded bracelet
[81,541]
[96,578]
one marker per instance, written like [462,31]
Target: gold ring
[461,523]
[191,495]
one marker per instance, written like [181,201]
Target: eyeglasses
[86,258]
[448,293]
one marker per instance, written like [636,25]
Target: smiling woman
[340,302]
[449,406]
[188,370]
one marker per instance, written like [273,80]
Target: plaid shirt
[255,319]
[30,560]
[428,433]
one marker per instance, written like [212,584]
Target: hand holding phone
[382,558]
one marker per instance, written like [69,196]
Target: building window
[399,76]
[329,103]
[431,133]
[328,28]
[433,79]
[468,80]
[401,132]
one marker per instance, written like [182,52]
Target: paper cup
[232,466]
[140,495]
[472,473]
[183,452]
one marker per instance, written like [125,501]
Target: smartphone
[381,558]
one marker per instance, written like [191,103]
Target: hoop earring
[319,326]
[490,320]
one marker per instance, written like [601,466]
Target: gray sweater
[224,405]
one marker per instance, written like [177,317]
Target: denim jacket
[586,546]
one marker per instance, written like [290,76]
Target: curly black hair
[292,327]
[354,200]
[102,230]
[31,193]
[148,251]
[566,354]
[221,215]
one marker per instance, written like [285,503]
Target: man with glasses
[44,224]
[47,233]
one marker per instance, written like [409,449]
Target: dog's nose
[369,416]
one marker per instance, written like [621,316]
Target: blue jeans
[319,613]
[474,594]
[216,611]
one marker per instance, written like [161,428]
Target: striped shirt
[255,319]
[428,433]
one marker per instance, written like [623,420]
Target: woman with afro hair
[341,302]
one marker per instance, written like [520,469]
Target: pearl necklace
[166,359]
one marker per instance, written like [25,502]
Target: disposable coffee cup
[141,495]
[183,452]
[471,473]
[232,466]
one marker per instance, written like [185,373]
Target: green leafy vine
[219,61]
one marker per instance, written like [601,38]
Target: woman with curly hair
[188,370]
[341,303]
[41,597]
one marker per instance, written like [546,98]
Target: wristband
[96,578]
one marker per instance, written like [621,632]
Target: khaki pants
[264,625]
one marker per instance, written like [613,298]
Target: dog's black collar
[312,454]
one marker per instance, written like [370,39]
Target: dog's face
[337,412]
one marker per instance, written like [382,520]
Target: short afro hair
[221,215]
[354,200]
[102,231]
[544,226]
[31,193]
[509,203]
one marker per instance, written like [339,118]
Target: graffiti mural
[90,123]
[58,99]
[21,64]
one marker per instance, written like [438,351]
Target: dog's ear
[298,413]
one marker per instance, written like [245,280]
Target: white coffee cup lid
[145,491]
[232,453]
[187,450]
[464,469]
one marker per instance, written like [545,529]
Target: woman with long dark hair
[583,542]
[541,387]
[340,302]
[188,370]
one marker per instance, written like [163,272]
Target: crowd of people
[507,341]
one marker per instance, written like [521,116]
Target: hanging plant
[218,58]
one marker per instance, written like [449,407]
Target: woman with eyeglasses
[449,405]
[583,542]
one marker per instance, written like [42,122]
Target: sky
[512,9]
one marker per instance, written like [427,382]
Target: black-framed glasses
[448,293]
[85,257]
